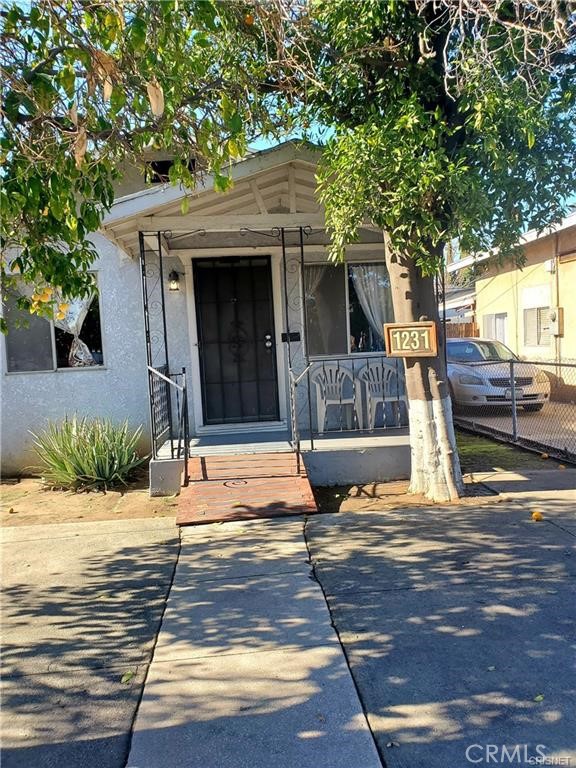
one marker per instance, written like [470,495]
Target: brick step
[244,466]
[244,487]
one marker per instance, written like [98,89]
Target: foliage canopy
[449,119]
[91,88]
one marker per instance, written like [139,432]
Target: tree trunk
[435,463]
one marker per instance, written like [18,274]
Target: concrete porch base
[165,476]
[337,459]
[344,460]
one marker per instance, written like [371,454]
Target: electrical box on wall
[556,320]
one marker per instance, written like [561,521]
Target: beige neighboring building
[532,309]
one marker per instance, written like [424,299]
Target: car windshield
[477,351]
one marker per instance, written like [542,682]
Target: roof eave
[145,201]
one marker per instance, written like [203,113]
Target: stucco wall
[118,391]
[506,289]
[567,287]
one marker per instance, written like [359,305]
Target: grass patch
[481,454]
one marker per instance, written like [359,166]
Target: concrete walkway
[247,671]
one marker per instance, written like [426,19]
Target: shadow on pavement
[458,624]
[79,611]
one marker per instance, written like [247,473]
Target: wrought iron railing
[352,393]
[294,381]
[169,414]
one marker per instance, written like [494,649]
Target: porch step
[244,487]
[244,465]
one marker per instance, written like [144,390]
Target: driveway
[459,624]
[81,608]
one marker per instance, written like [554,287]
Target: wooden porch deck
[245,486]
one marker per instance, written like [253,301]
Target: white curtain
[72,323]
[313,274]
[372,286]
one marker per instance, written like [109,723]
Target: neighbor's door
[235,317]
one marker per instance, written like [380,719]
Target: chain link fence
[529,403]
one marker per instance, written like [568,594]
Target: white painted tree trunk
[435,464]
[435,469]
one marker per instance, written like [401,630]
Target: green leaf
[185,205]
[221,183]
[539,697]
[236,123]
[138,32]
[127,677]
[68,80]
[531,138]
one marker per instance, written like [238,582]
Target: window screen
[29,340]
[325,292]
[346,308]
[32,344]
[537,327]
[494,326]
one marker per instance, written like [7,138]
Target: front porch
[256,344]
[335,458]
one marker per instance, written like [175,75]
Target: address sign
[411,339]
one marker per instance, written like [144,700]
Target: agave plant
[87,454]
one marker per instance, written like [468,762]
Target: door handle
[268,341]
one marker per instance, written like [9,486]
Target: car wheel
[537,407]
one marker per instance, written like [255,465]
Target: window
[159,170]
[477,351]
[537,327]
[495,326]
[36,344]
[346,307]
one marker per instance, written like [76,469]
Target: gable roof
[159,196]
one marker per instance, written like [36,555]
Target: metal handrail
[167,379]
[295,437]
[183,436]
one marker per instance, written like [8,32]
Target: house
[456,308]
[222,329]
[531,308]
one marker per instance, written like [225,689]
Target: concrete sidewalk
[247,671]
[459,624]
[81,606]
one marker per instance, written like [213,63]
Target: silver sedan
[479,375]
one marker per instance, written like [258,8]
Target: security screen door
[235,317]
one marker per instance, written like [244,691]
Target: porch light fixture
[173,281]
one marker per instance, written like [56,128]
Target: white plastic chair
[382,384]
[330,381]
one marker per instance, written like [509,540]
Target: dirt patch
[27,502]
[392,495]
[477,454]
